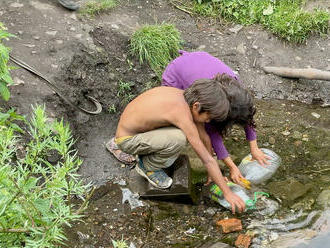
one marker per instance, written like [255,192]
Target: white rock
[53,33]
[286,133]
[16,5]
[316,115]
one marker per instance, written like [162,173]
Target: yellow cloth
[121,139]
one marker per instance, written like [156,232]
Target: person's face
[203,117]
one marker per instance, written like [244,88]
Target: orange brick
[243,241]
[230,225]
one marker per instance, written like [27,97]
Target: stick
[308,73]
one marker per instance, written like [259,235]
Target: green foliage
[96,7]
[112,109]
[157,45]
[35,195]
[119,244]
[286,18]
[125,91]
[5,78]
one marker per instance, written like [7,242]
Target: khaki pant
[158,148]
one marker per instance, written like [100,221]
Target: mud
[91,57]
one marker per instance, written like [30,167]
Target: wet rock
[288,190]
[324,198]
[243,241]
[230,225]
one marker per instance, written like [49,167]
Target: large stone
[182,188]
[324,198]
[243,241]
[288,190]
[230,225]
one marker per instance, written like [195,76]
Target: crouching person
[156,125]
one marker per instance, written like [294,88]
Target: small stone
[33,52]
[54,66]
[29,45]
[255,47]
[316,115]
[59,42]
[210,211]
[122,165]
[271,140]
[305,139]
[243,241]
[16,5]
[18,81]
[236,28]
[72,29]
[52,33]
[36,37]
[78,36]
[230,225]
[20,32]
[286,133]
[297,58]
[114,26]
[297,143]
[201,47]
[73,16]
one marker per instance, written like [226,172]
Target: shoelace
[251,204]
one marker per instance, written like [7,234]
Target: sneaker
[158,178]
[69,4]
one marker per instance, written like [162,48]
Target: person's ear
[197,107]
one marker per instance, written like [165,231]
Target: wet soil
[91,57]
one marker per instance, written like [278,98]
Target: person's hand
[258,155]
[236,176]
[235,201]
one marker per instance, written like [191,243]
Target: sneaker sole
[141,172]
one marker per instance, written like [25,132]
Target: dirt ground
[90,56]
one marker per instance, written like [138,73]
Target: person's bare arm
[187,125]
[205,138]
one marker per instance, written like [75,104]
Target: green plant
[156,44]
[119,244]
[112,109]
[286,18]
[5,78]
[35,195]
[95,7]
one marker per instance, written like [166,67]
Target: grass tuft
[285,18]
[157,45]
[96,7]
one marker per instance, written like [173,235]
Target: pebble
[236,28]
[59,42]
[29,45]
[271,140]
[285,133]
[36,37]
[72,29]
[201,47]
[297,135]
[53,33]
[297,58]
[20,32]
[78,36]
[33,52]
[18,81]
[297,143]
[16,5]
[316,115]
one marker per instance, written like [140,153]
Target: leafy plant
[286,18]
[157,45]
[125,91]
[35,195]
[95,7]
[5,78]
[112,109]
[119,244]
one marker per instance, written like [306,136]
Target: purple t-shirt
[187,68]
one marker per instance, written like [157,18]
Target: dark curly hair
[241,109]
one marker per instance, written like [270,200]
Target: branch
[15,230]
[308,73]
[86,201]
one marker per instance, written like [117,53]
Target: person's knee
[180,140]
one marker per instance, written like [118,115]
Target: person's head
[241,110]
[207,100]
